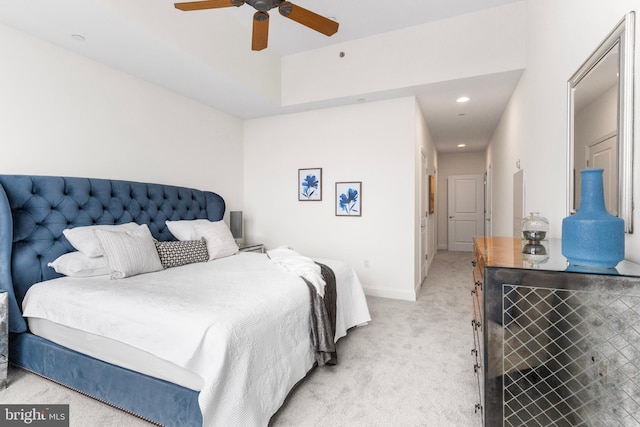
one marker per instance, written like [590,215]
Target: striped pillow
[129,252]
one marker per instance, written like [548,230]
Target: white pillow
[185,229]
[220,241]
[129,252]
[84,238]
[77,264]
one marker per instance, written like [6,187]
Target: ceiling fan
[261,17]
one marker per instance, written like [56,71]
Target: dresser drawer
[477,327]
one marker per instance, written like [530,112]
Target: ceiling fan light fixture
[463,99]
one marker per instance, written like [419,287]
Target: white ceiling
[144,38]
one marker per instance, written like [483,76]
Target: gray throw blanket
[323,318]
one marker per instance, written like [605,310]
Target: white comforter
[241,323]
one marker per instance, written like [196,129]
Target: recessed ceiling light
[462,145]
[463,99]
[78,37]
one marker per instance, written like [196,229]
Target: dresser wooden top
[507,252]
[498,251]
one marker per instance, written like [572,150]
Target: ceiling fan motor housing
[264,5]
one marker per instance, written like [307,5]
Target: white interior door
[465,194]
[604,155]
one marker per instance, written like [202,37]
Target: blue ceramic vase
[593,237]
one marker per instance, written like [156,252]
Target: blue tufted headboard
[34,210]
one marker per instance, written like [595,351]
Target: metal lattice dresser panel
[570,358]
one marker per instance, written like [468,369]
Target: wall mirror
[600,128]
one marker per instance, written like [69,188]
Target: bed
[152,355]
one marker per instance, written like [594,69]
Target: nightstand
[4,339]
[251,247]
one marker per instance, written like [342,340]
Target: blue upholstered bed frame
[34,210]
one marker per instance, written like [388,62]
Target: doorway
[604,155]
[488,201]
[465,210]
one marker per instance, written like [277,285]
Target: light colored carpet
[411,366]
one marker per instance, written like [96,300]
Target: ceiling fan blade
[260,31]
[307,18]
[209,4]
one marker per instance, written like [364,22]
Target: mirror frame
[622,34]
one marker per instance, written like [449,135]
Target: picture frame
[310,184]
[432,194]
[349,198]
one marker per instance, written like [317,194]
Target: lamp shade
[236,224]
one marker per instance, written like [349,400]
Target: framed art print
[349,198]
[310,184]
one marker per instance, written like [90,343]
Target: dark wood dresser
[554,345]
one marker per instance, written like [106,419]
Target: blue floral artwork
[310,184]
[348,198]
[348,202]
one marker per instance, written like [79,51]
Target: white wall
[372,142]
[479,43]
[533,129]
[63,114]
[459,163]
